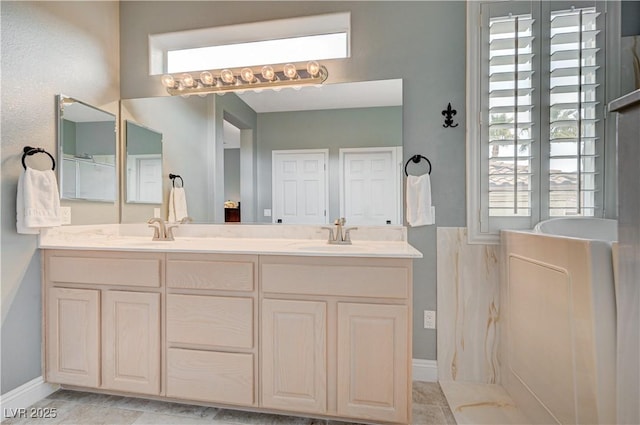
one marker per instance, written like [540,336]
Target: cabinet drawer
[337,280]
[210,274]
[105,271]
[212,321]
[210,376]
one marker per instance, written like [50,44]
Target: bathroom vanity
[269,324]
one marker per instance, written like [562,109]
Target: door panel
[370,185]
[372,361]
[131,352]
[299,186]
[73,329]
[294,369]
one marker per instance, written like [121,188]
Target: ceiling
[364,94]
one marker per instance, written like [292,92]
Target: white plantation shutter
[575,159]
[541,72]
[510,123]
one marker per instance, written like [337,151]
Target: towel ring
[28,151]
[173,178]
[416,159]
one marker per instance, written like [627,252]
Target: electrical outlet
[429,319]
[156,212]
[65,215]
[267,212]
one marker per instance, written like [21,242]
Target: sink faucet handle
[169,232]
[186,220]
[347,233]
[331,236]
[158,228]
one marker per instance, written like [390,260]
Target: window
[537,105]
[252,44]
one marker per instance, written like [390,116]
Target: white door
[150,180]
[299,180]
[370,185]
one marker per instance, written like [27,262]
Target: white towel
[177,204]
[38,201]
[419,209]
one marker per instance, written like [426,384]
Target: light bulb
[268,73]
[206,78]
[247,75]
[187,80]
[290,71]
[313,68]
[168,81]
[227,76]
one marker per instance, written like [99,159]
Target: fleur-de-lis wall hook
[448,117]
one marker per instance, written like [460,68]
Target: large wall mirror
[233,153]
[87,148]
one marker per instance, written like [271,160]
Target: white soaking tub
[559,315]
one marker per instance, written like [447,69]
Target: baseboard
[425,370]
[25,395]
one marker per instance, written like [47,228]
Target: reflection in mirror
[143,164]
[200,143]
[87,146]
[232,203]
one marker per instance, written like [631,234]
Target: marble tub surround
[373,241]
[477,403]
[468,315]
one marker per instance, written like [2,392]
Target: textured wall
[421,42]
[47,48]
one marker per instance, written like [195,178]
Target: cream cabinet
[131,341]
[336,336]
[372,361]
[212,336]
[73,336]
[103,324]
[294,355]
[325,336]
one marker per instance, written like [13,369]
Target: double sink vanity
[252,317]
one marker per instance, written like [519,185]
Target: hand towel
[419,209]
[177,204]
[22,229]
[38,201]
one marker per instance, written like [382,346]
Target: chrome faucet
[342,235]
[163,231]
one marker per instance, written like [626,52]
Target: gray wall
[95,138]
[232,174]
[47,48]
[421,42]
[184,124]
[630,18]
[328,129]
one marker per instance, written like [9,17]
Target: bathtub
[559,321]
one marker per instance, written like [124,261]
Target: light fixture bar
[227,80]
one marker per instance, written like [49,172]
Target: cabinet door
[373,363]
[73,329]
[294,367]
[131,344]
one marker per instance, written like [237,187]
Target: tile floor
[72,407]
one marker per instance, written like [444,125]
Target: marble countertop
[113,239]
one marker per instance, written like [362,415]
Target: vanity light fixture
[257,78]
